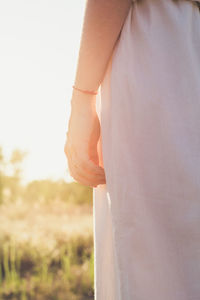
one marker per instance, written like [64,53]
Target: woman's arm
[103,21]
[102,24]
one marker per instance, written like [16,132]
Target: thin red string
[85,91]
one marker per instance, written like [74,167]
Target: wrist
[90,92]
[79,99]
[77,93]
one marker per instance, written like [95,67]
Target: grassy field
[46,250]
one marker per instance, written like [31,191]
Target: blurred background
[46,233]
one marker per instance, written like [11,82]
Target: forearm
[103,21]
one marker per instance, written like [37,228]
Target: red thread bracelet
[85,91]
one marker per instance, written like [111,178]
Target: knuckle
[66,149]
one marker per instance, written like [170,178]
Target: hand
[82,138]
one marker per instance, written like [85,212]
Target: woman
[139,145]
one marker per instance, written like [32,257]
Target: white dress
[147,215]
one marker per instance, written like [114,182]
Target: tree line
[11,188]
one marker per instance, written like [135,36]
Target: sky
[39,44]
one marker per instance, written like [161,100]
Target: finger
[88,165]
[79,178]
[84,166]
[92,178]
[66,148]
[95,179]
[85,163]
[98,178]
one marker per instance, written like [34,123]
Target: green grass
[28,274]
[46,252]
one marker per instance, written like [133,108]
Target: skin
[102,24]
